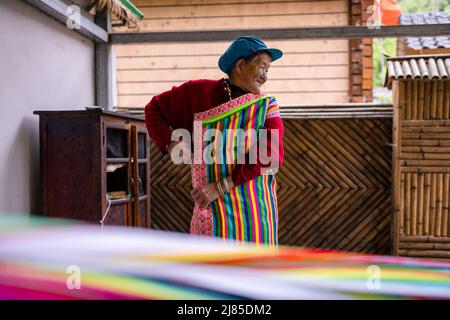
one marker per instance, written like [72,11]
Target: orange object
[389,11]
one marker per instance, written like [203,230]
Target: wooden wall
[334,189]
[422,168]
[312,71]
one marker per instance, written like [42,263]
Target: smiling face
[251,75]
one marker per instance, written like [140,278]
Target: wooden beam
[337,111]
[345,32]
[58,10]
[103,66]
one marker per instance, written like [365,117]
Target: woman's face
[252,75]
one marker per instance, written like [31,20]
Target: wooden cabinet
[95,167]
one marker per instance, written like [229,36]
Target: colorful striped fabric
[249,211]
[44,259]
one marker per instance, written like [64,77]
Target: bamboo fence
[421,164]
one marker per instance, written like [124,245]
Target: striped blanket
[46,259]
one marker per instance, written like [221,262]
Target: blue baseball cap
[243,47]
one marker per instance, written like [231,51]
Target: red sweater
[176,108]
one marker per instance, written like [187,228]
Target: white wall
[43,66]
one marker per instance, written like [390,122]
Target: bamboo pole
[339,106]
[397,185]
[415,87]
[426,163]
[433,203]
[425,135]
[402,99]
[440,100]
[437,156]
[408,102]
[433,101]
[425,246]
[413,205]
[426,142]
[426,239]
[408,204]
[426,211]
[412,155]
[427,150]
[440,187]
[445,206]
[425,254]
[325,109]
[426,123]
[420,188]
[426,170]
[421,99]
[429,129]
[401,204]
[446,113]
[426,100]
[340,115]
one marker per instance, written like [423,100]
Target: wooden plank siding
[312,71]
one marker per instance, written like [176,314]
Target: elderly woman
[234,199]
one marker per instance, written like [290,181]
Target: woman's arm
[163,112]
[157,125]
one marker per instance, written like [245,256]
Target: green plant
[414,6]
[380,47]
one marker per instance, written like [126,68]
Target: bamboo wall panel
[422,160]
[171,186]
[311,71]
[334,189]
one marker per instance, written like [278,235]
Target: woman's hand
[203,196]
[207,194]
